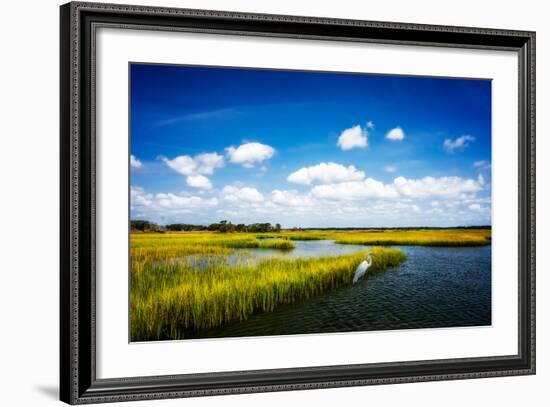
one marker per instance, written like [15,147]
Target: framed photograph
[255,203]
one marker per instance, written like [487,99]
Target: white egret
[362,268]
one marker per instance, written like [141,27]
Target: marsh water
[305,249]
[434,287]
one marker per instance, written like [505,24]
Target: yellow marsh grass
[396,237]
[208,239]
[433,237]
[170,295]
[183,282]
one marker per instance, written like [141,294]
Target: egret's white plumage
[362,268]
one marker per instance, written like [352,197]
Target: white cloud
[134,162]
[354,190]
[348,204]
[139,197]
[204,163]
[160,202]
[290,198]
[183,164]
[237,195]
[198,181]
[432,187]
[459,143]
[427,187]
[370,125]
[249,154]
[396,134]
[354,137]
[174,201]
[196,167]
[207,162]
[390,168]
[325,173]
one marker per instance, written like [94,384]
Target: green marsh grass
[211,240]
[306,237]
[176,289]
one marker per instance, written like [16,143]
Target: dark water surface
[434,287]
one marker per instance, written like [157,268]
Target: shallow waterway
[305,249]
[434,287]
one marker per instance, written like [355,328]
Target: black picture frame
[78,382]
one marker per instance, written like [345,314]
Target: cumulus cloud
[459,143]
[134,162]
[368,202]
[174,201]
[198,181]
[433,187]
[390,168]
[235,195]
[249,154]
[401,187]
[354,137]
[325,173]
[140,199]
[354,190]
[204,164]
[196,168]
[290,198]
[396,134]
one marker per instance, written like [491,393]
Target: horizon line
[329,227]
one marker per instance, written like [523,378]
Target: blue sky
[309,149]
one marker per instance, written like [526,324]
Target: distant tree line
[145,226]
[223,226]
